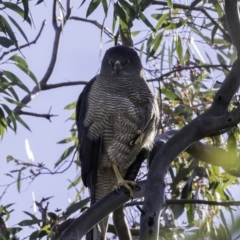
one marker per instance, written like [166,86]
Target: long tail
[98,232]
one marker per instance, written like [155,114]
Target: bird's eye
[110,62]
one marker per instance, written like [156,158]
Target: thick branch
[98,211]
[56,43]
[121,226]
[232,18]
[202,126]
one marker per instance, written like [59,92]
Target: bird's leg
[123,182]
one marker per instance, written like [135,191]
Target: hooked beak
[117,66]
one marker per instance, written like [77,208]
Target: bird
[117,116]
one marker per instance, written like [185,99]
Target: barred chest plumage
[118,108]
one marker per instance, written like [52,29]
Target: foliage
[175,50]
[9,82]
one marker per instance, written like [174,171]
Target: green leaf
[40,1]
[172,25]
[83,1]
[128,8]
[157,42]
[66,153]
[169,94]
[114,21]
[75,182]
[71,106]
[25,6]
[67,140]
[105,7]
[29,222]
[92,7]
[6,85]
[22,122]
[225,225]
[122,15]
[146,21]
[5,42]
[221,59]
[3,123]
[15,80]
[31,215]
[19,179]
[179,48]
[76,206]
[14,7]
[9,158]
[19,104]
[7,29]
[169,3]
[11,115]
[161,20]
[22,64]
[19,28]
[232,146]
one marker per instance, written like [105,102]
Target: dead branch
[46,115]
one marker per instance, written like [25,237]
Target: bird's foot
[127,184]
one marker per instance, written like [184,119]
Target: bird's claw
[127,185]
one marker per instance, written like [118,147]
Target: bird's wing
[89,150]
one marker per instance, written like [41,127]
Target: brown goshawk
[117,116]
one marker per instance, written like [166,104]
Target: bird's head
[121,60]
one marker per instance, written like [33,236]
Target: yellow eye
[110,62]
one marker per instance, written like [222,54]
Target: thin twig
[47,115]
[63,84]
[201,9]
[25,45]
[178,69]
[189,201]
[94,22]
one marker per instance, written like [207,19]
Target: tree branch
[199,128]
[198,150]
[232,17]
[201,9]
[63,84]
[45,78]
[25,45]
[47,116]
[121,226]
[190,201]
[102,208]
[105,30]
[178,69]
